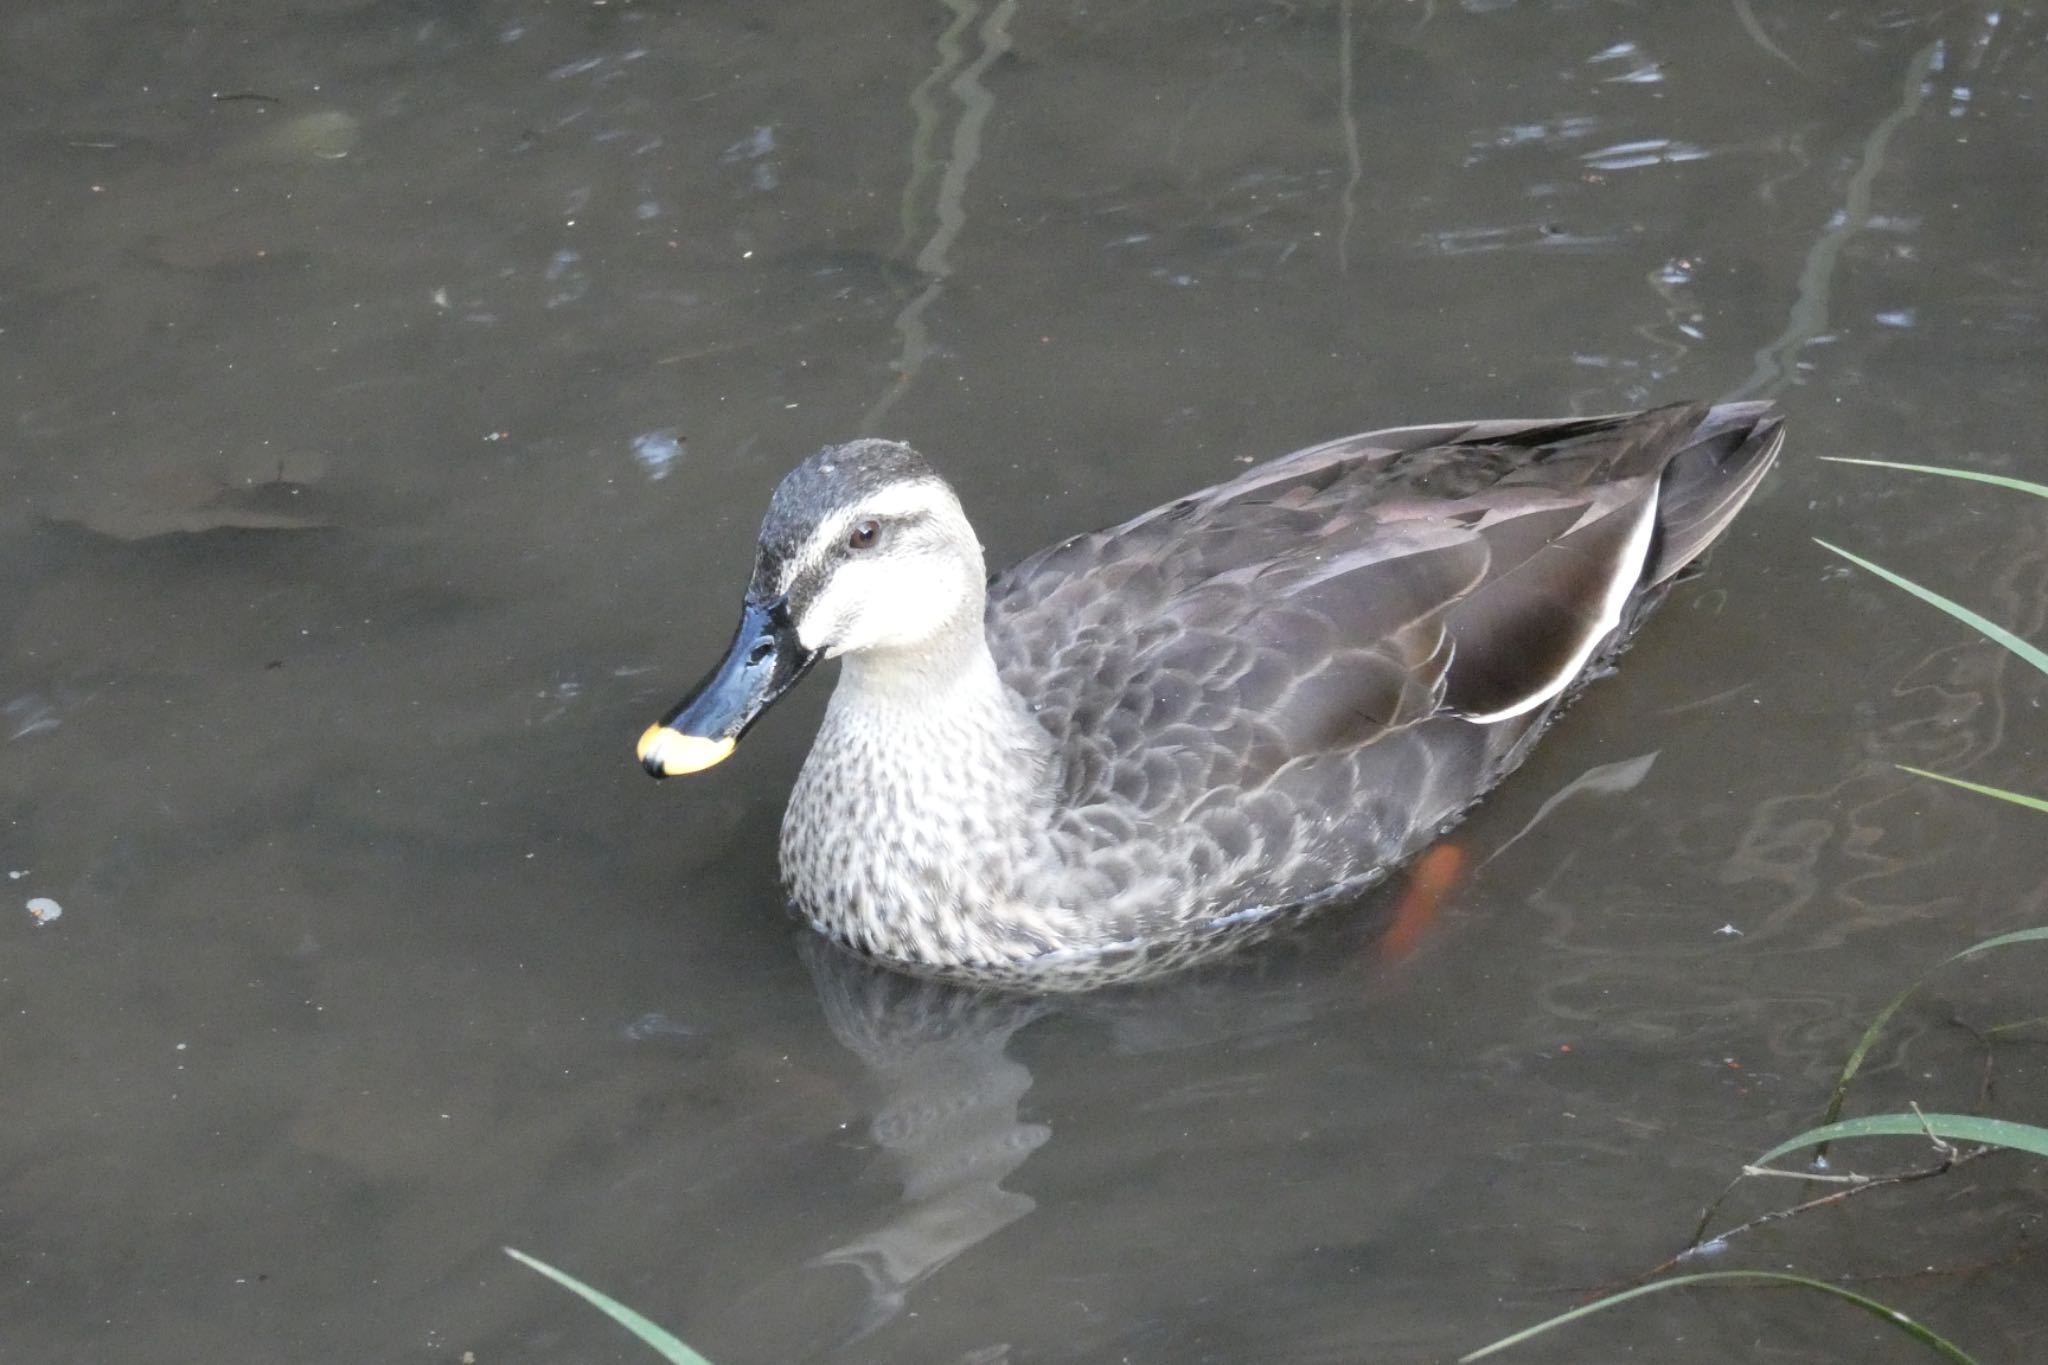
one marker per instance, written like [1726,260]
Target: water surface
[394,392]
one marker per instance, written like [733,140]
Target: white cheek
[831,618]
[877,604]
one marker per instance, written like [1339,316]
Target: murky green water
[393,392]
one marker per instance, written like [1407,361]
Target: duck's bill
[765,660]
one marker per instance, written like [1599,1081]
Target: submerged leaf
[137,496]
[323,135]
[1607,779]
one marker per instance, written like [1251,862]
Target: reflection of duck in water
[1135,743]
[945,1113]
[946,1092]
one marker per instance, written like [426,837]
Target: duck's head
[865,552]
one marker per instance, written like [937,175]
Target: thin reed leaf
[1948,471]
[652,1334]
[1883,1312]
[1869,1038]
[1982,624]
[2030,802]
[2021,1137]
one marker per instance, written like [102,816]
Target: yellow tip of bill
[676,753]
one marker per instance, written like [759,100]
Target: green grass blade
[2022,1137]
[1884,1313]
[1983,625]
[1869,1038]
[1948,471]
[2030,802]
[655,1336]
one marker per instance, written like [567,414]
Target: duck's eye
[864,535]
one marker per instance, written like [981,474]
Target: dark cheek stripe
[804,589]
[768,568]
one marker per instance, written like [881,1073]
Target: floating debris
[43,910]
[656,1025]
[327,135]
[1712,1247]
[1656,151]
[569,279]
[29,715]
[753,147]
[658,450]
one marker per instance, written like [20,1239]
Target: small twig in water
[1808,1177]
[2019,1253]
[1853,1185]
[1941,1144]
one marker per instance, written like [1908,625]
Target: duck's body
[1261,695]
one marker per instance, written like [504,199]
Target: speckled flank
[1254,698]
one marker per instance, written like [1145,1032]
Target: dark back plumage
[1334,653]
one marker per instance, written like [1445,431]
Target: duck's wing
[1319,602]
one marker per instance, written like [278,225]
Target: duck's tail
[1705,484]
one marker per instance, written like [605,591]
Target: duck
[1139,746]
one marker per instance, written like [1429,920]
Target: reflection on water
[963,78]
[945,1116]
[944,1090]
[1776,363]
[1871,831]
